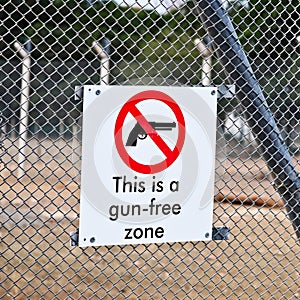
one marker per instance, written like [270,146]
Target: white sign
[147,164]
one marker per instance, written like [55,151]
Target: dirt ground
[38,212]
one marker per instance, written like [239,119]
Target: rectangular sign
[148,157]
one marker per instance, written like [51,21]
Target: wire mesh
[142,42]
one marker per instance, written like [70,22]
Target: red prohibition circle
[130,107]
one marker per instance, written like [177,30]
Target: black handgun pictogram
[138,132]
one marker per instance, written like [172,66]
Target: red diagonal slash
[150,131]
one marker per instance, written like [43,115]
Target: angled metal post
[259,117]
[103,54]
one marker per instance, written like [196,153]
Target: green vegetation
[143,44]
[268,28]
[67,28]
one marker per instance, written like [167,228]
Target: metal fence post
[259,117]
[24,106]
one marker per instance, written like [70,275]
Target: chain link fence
[48,48]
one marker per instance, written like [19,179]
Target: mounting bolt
[213,92]
[207,235]
[92,240]
[98,92]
